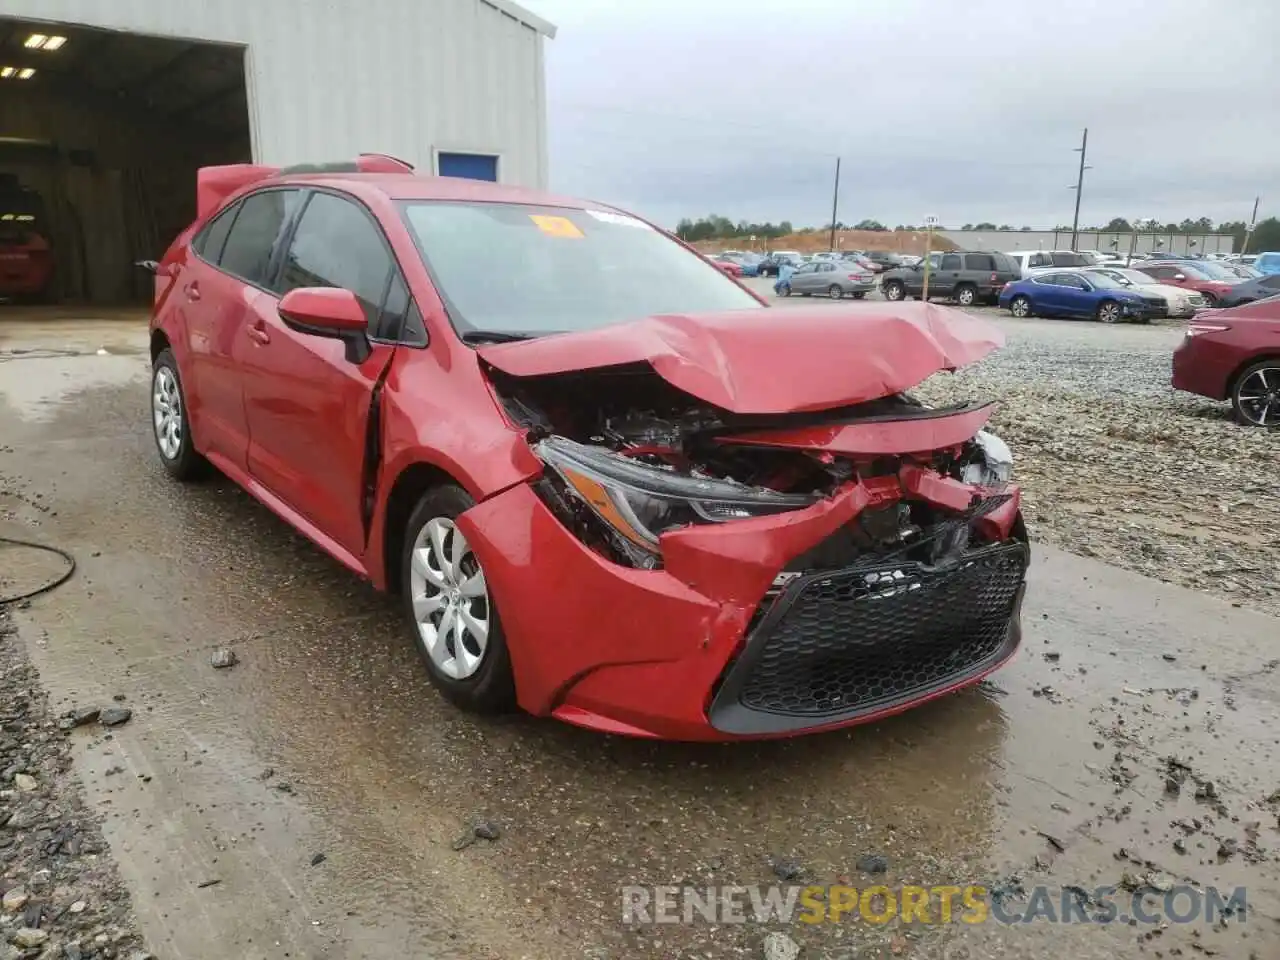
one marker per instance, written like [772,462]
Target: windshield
[1136,277]
[532,270]
[1107,281]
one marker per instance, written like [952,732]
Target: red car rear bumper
[1203,365]
[711,648]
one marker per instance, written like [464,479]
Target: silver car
[834,280]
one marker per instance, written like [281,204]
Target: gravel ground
[1117,465]
[62,895]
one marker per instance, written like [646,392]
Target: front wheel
[1256,395]
[170,426]
[893,290]
[1020,307]
[1109,311]
[451,615]
[835,292]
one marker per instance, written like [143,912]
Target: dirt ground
[307,801]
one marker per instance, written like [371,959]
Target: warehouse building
[107,109]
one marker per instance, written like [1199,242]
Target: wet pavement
[328,739]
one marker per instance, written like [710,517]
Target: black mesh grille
[841,643]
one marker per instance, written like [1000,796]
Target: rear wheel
[1209,300]
[893,290]
[835,292]
[451,615]
[1108,311]
[1256,395]
[966,295]
[170,426]
[1020,307]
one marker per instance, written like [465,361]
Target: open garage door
[101,134]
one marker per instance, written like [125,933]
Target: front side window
[336,244]
[251,242]
[531,270]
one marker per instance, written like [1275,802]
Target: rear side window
[249,246]
[1005,264]
[210,240]
[950,262]
[979,261]
[1069,260]
[1040,260]
[336,244]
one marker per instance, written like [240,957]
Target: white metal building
[109,120]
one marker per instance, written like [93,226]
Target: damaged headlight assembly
[994,467]
[638,502]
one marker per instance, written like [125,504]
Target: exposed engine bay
[629,449]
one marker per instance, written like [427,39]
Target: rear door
[307,406]
[232,254]
[943,283]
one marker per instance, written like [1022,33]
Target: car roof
[412,186]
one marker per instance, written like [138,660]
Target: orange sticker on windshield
[557,227]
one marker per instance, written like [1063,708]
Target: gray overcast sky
[968,110]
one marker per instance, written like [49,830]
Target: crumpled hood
[776,360]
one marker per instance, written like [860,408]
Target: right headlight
[640,502]
[995,468]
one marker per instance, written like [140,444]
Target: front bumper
[709,649]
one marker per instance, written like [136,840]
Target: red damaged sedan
[608,483]
[1234,355]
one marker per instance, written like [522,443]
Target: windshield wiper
[496,336]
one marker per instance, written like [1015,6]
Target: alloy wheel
[893,291]
[966,297]
[450,599]
[1258,397]
[1020,308]
[166,413]
[1109,312]
[835,292]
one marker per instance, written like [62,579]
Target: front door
[307,406]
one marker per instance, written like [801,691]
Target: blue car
[1267,263]
[1095,296]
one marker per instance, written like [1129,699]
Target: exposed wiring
[53,584]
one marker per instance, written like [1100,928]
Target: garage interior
[101,134]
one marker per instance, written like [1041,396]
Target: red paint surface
[1207,363]
[627,651]
[871,438]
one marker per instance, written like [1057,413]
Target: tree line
[715,227]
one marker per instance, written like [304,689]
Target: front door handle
[258,333]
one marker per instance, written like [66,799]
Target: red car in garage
[1234,355]
[26,258]
[607,483]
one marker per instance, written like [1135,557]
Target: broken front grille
[840,644]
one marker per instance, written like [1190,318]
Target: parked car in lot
[1031,261]
[1202,278]
[1267,263]
[885,259]
[731,267]
[968,278]
[1234,354]
[1241,270]
[770,265]
[834,280]
[1077,293]
[1247,291]
[1181,303]
[594,433]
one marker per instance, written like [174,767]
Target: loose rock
[778,946]
[115,716]
[16,899]
[873,863]
[223,658]
[25,782]
[27,937]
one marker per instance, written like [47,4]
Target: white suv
[1037,261]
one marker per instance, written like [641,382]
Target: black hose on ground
[52,585]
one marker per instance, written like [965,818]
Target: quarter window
[980,261]
[210,241]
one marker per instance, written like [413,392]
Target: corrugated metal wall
[328,79]
[1011,241]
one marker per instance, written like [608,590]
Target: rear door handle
[258,333]
[192,290]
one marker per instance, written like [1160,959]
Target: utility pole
[1253,222]
[929,224]
[835,207]
[1079,189]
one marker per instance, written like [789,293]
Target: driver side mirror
[1179,276]
[330,312]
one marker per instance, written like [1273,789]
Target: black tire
[859,294]
[1272,367]
[492,688]
[894,290]
[966,295]
[1209,300]
[1020,307]
[835,292]
[184,464]
[1108,312]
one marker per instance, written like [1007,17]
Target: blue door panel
[471,166]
